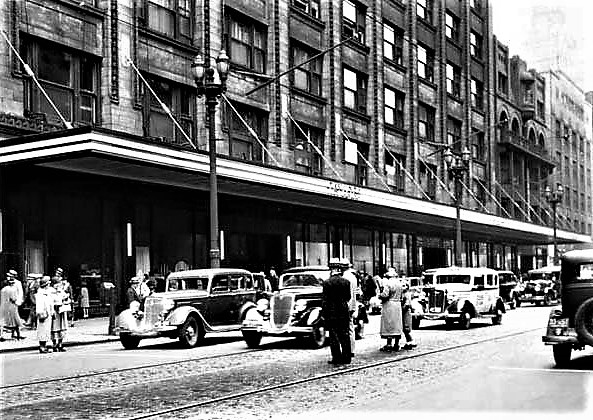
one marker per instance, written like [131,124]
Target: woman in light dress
[44,310]
[391,312]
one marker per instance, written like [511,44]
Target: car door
[243,291]
[491,292]
[220,300]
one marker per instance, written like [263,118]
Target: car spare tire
[583,321]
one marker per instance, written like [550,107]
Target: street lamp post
[554,197]
[457,166]
[211,86]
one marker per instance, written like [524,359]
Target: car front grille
[436,300]
[152,310]
[281,307]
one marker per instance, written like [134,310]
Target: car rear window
[300,279]
[196,283]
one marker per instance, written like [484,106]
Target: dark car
[188,304]
[570,326]
[509,291]
[541,287]
[294,310]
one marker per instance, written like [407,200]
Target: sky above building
[549,34]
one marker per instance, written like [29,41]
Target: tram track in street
[332,374]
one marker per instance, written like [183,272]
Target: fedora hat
[44,281]
[59,271]
[12,273]
[391,272]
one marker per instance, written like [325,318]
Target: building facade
[342,156]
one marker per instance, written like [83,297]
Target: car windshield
[303,279]
[453,278]
[506,278]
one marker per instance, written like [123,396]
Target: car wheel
[189,332]
[449,324]
[583,321]
[416,323]
[317,338]
[562,354]
[252,339]
[465,320]
[128,341]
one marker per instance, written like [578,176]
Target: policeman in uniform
[336,295]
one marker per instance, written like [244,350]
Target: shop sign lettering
[351,192]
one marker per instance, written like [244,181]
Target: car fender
[246,307]
[179,315]
[314,316]
[126,320]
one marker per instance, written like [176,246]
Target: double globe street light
[457,166]
[211,83]
[554,198]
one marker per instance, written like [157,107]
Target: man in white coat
[352,305]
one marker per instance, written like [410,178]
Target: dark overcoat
[336,295]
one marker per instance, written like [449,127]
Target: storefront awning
[114,154]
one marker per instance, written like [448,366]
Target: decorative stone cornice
[26,125]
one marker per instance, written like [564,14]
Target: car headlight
[300,305]
[263,304]
[537,288]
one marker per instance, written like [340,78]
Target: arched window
[532,137]
[515,129]
[503,126]
[541,142]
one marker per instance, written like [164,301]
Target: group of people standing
[52,301]
[339,307]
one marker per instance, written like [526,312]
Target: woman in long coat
[44,310]
[391,312]
[9,301]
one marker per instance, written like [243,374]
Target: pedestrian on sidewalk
[84,299]
[44,309]
[350,275]
[32,288]
[59,324]
[407,315]
[67,288]
[10,297]
[391,312]
[336,295]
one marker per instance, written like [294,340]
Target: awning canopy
[113,154]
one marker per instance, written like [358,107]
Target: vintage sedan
[509,288]
[190,304]
[541,287]
[460,294]
[294,310]
[570,326]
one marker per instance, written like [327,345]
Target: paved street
[511,373]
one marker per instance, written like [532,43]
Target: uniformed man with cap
[350,275]
[336,295]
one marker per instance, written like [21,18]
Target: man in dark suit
[336,295]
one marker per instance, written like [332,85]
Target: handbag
[65,308]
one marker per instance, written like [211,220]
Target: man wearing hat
[336,295]
[67,288]
[350,275]
[44,309]
[391,313]
[59,322]
[138,291]
[10,299]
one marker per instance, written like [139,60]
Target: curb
[66,344]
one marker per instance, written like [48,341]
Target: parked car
[542,286]
[570,326]
[509,288]
[294,310]
[460,294]
[190,304]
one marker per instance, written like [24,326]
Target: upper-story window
[475,45]
[355,156]
[395,170]
[311,7]
[247,43]
[425,63]
[478,145]
[353,15]
[453,132]
[476,5]
[69,77]
[424,9]
[503,84]
[453,80]
[355,90]
[428,180]
[242,144]
[425,122]
[307,159]
[172,18]
[394,108]
[308,76]
[477,94]
[452,26]
[179,99]
[393,43]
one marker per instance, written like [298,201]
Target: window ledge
[427,82]
[354,113]
[454,43]
[426,23]
[394,64]
[396,129]
[455,98]
[354,44]
[319,99]
[479,111]
[149,33]
[305,16]
[478,60]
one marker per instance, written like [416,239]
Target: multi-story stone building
[344,156]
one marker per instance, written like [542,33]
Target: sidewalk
[85,331]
